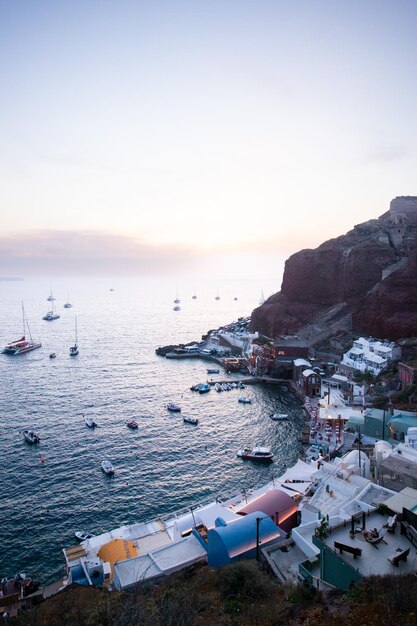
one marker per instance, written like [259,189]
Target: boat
[82,536]
[218,387]
[173,407]
[177,300]
[51,315]
[204,388]
[256,454]
[217,296]
[241,385]
[194,296]
[190,420]
[279,417]
[245,400]
[262,298]
[31,437]
[111,289]
[68,304]
[107,468]
[213,371]
[52,355]
[22,345]
[90,422]
[50,298]
[133,425]
[225,387]
[73,351]
[235,298]
[176,308]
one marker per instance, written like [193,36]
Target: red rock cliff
[371,270]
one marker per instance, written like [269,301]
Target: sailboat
[262,298]
[51,315]
[194,297]
[217,297]
[22,345]
[50,298]
[68,304]
[73,351]
[177,300]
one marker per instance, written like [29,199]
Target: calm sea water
[50,490]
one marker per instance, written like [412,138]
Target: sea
[50,490]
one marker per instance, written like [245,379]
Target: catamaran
[51,315]
[22,345]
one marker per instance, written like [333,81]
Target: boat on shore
[82,536]
[107,468]
[204,388]
[90,422]
[255,454]
[174,408]
[245,400]
[213,371]
[31,437]
[22,345]
[218,387]
[133,425]
[279,417]
[190,420]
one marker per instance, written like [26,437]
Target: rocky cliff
[368,276]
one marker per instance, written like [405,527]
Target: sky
[168,136]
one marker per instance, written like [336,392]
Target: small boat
[173,407]
[111,289]
[107,468]
[212,371]
[218,387]
[234,298]
[133,425]
[225,387]
[68,304]
[90,422]
[279,416]
[217,296]
[177,300]
[81,536]
[194,296]
[31,437]
[176,308]
[241,385]
[50,298]
[22,345]
[204,388]
[245,400]
[52,355]
[73,351]
[256,454]
[190,420]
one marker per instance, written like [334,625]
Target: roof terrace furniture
[375,540]
[342,547]
[391,523]
[409,532]
[400,555]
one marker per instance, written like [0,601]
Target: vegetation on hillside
[237,594]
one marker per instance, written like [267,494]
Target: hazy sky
[147,136]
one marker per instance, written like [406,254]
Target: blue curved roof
[238,539]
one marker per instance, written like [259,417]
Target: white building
[371,354]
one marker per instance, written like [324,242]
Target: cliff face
[370,273]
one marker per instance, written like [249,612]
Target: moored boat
[107,468]
[90,422]
[133,425]
[173,407]
[279,417]
[256,454]
[190,420]
[218,387]
[245,400]
[52,355]
[31,437]
[204,388]
[73,351]
[212,371]
[51,315]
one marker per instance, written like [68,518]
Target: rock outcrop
[369,274]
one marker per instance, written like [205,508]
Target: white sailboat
[217,296]
[68,304]
[177,300]
[73,351]
[52,314]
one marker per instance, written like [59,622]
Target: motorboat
[107,468]
[217,296]
[204,388]
[176,308]
[22,345]
[133,425]
[212,371]
[241,385]
[31,437]
[173,407]
[218,387]
[82,536]
[279,417]
[177,300]
[190,420]
[245,400]
[256,454]
[90,422]
[52,355]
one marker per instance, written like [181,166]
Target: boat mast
[26,323]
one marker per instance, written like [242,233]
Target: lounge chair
[391,523]
[375,540]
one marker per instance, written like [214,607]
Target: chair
[391,523]
[375,540]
